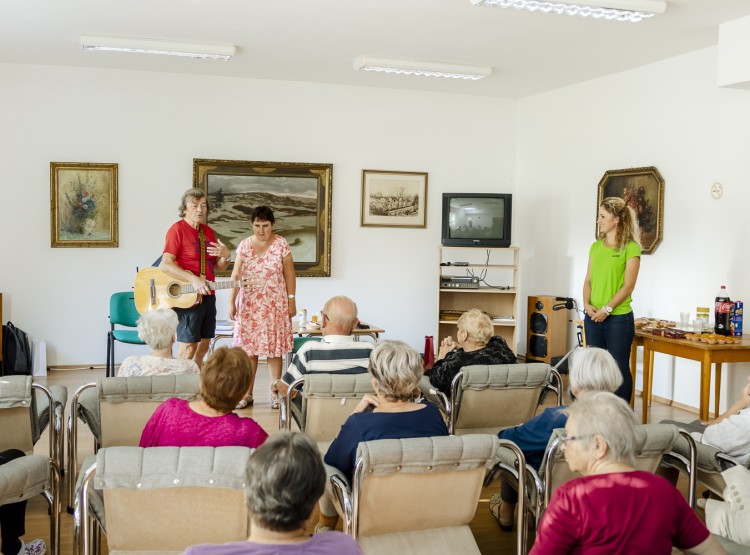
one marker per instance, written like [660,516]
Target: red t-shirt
[182,241]
[618,514]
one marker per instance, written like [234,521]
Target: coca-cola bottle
[722,312]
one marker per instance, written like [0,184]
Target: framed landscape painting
[298,193]
[643,190]
[83,204]
[394,199]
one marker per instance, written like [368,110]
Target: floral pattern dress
[263,326]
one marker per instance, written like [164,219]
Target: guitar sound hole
[174,290]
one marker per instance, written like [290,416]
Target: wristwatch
[608,309]
[227,258]
[292,296]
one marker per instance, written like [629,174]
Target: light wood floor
[488,536]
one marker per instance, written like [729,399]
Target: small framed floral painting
[83,204]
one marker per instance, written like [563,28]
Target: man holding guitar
[191,254]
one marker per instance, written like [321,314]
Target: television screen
[476,220]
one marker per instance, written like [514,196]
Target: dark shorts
[197,322]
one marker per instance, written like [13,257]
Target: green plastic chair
[122,312]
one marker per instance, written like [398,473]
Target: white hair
[157,327]
[397,368]
[594,369]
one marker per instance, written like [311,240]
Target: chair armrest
[286,405]
[83,405]
[521,463]
[727,461]
[558,387]
[342,491]
[23,478]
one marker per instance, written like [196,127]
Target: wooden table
[373,332]
[704,353]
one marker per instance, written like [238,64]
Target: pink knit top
[175,424]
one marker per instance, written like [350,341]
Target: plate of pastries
[648,324]
[666,328]
[713,338]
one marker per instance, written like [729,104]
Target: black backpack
[16,351]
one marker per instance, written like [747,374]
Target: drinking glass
[684,319]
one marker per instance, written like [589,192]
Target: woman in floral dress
[263,314]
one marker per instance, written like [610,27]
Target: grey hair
[157,327]
[285,478]
[342,311]
[594,369]
[197,194]
[477,324]
[397,369]
[605,415]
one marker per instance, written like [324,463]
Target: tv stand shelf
[501,271]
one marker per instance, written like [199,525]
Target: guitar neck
[212,285]
[228,284]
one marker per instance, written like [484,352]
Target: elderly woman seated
[730,432]
[615,508]
[285,479]
[591,370]
[395,369]
[157,328]
[474,344]
[225,378]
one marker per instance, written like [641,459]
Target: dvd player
[459,282]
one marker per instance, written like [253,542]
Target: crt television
[476,219]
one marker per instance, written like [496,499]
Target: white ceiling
[318,40]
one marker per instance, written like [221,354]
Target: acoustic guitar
[154,289]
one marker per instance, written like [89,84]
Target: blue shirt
[533,436]
[369,426]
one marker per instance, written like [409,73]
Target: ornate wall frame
[83,205]
[643,190]
[298,193]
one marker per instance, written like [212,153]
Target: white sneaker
[322,529]
[35,547]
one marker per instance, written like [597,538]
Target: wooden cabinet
[495,290]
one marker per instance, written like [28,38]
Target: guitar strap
[202,239]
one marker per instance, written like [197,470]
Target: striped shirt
[335,353]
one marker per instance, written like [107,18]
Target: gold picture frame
[83,205]
[298,193]
[643,190]
[393,199]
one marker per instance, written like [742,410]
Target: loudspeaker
[548,329]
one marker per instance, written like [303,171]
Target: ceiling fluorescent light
[154,46]
[427,69]
[618,10]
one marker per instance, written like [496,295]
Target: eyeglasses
[566,439]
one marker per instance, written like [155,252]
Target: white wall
[153,125]
[670,115]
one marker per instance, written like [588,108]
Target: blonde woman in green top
[614,261]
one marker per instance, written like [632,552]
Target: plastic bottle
[722,312]
[303,317]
